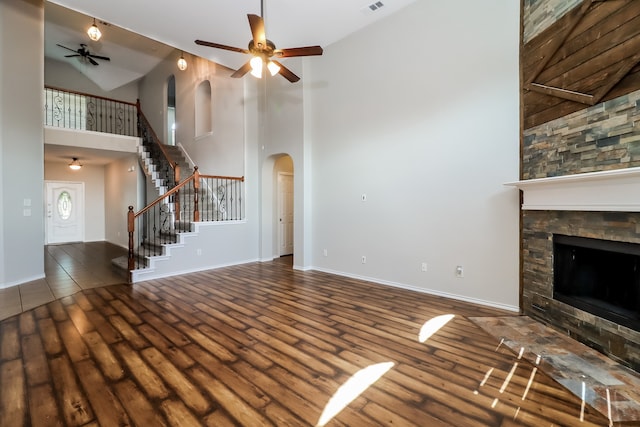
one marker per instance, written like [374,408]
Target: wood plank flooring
[264,345]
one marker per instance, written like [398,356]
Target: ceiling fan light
[75,164]
[273,68]
[256,66]
[182,63]
[94,32]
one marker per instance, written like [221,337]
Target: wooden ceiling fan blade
[242,70]
[298,51]
[221,46]
[286,73]
[257,30]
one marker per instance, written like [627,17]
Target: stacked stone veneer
[599,138]
[602,137]
[537,15]
[619,342]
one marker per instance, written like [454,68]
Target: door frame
[80,212]
[279,211]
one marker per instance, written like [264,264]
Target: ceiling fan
[263,50]
[84,54]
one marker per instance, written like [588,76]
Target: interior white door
[65,212]
[285,213]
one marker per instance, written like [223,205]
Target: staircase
[159,231]
[169,228]
[152,167]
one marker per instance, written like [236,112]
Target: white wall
[122,189]
[231,149]
[94,184]
[420,113]
[218,153]
[21,153]
[282,127]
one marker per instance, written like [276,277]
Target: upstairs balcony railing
[80,111]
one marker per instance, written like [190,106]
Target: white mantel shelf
[614,191]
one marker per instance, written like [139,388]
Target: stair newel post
[130,229]
[196,188]
[176,197]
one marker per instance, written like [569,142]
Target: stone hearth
[601,383]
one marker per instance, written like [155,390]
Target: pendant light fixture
[94,32]
[182,63]
[75,164]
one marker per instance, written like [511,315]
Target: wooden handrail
[137,217]
[168,193]
[90,95]
[232,178]
[196,175]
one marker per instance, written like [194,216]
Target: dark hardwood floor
[262,344]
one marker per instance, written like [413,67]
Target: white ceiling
[132,55]
[138,34]
[87,156]
[288,23]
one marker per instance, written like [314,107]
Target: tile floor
[69,268]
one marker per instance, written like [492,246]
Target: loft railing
[197,198]
[81,111]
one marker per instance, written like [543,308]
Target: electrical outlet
[325,253]
[198,252]
[424,266]
[364,259]
[459,271]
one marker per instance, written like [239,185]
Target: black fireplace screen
[601,277]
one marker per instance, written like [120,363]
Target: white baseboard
[422,290]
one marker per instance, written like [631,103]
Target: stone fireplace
[602,208]
[580,166]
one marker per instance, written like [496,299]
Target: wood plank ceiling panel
[589,55]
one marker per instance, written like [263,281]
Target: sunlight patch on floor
[351,389]
[433,325]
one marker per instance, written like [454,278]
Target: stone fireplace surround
[601,205]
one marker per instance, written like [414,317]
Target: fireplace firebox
[601,277]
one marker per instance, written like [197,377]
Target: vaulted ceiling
[178,24]
[590,55]
[132,55]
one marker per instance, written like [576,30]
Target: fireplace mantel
[615,190]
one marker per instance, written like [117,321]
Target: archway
[277,207]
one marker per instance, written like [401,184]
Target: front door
[285,213]
[65,212]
